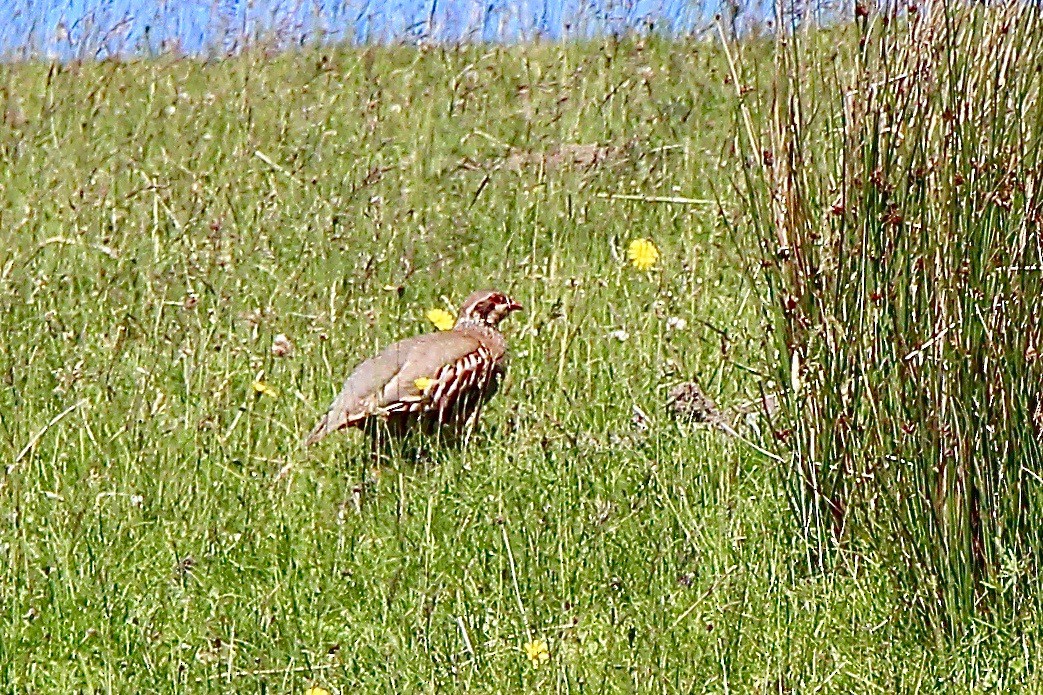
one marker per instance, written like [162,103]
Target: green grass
[163,220]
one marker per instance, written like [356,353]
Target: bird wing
[403,376]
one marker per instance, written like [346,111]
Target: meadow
[161,528]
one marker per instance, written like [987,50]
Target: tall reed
[892,179]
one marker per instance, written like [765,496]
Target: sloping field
[161,529]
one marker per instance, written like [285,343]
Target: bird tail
[318,432]
[336,418]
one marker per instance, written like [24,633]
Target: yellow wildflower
[316,690]
[536,651]
[422,383]
[265,389]
[642,253]
[442,319]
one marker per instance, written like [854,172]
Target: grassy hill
[161,529]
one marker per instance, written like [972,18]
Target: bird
[431,380]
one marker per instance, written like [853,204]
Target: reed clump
[893,189]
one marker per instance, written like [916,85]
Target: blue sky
[98,28]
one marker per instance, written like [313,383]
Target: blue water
[67,29]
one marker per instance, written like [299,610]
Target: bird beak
[513,306]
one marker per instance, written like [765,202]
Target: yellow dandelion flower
[442,319]
[536,652]
[265,389]
[422,383]
[316,690]
[643,254]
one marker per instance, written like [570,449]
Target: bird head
[487,307]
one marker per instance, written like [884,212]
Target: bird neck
[487,335]
[470,325]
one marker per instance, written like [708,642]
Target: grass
[162,221]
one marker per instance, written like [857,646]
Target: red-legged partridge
[434,379]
